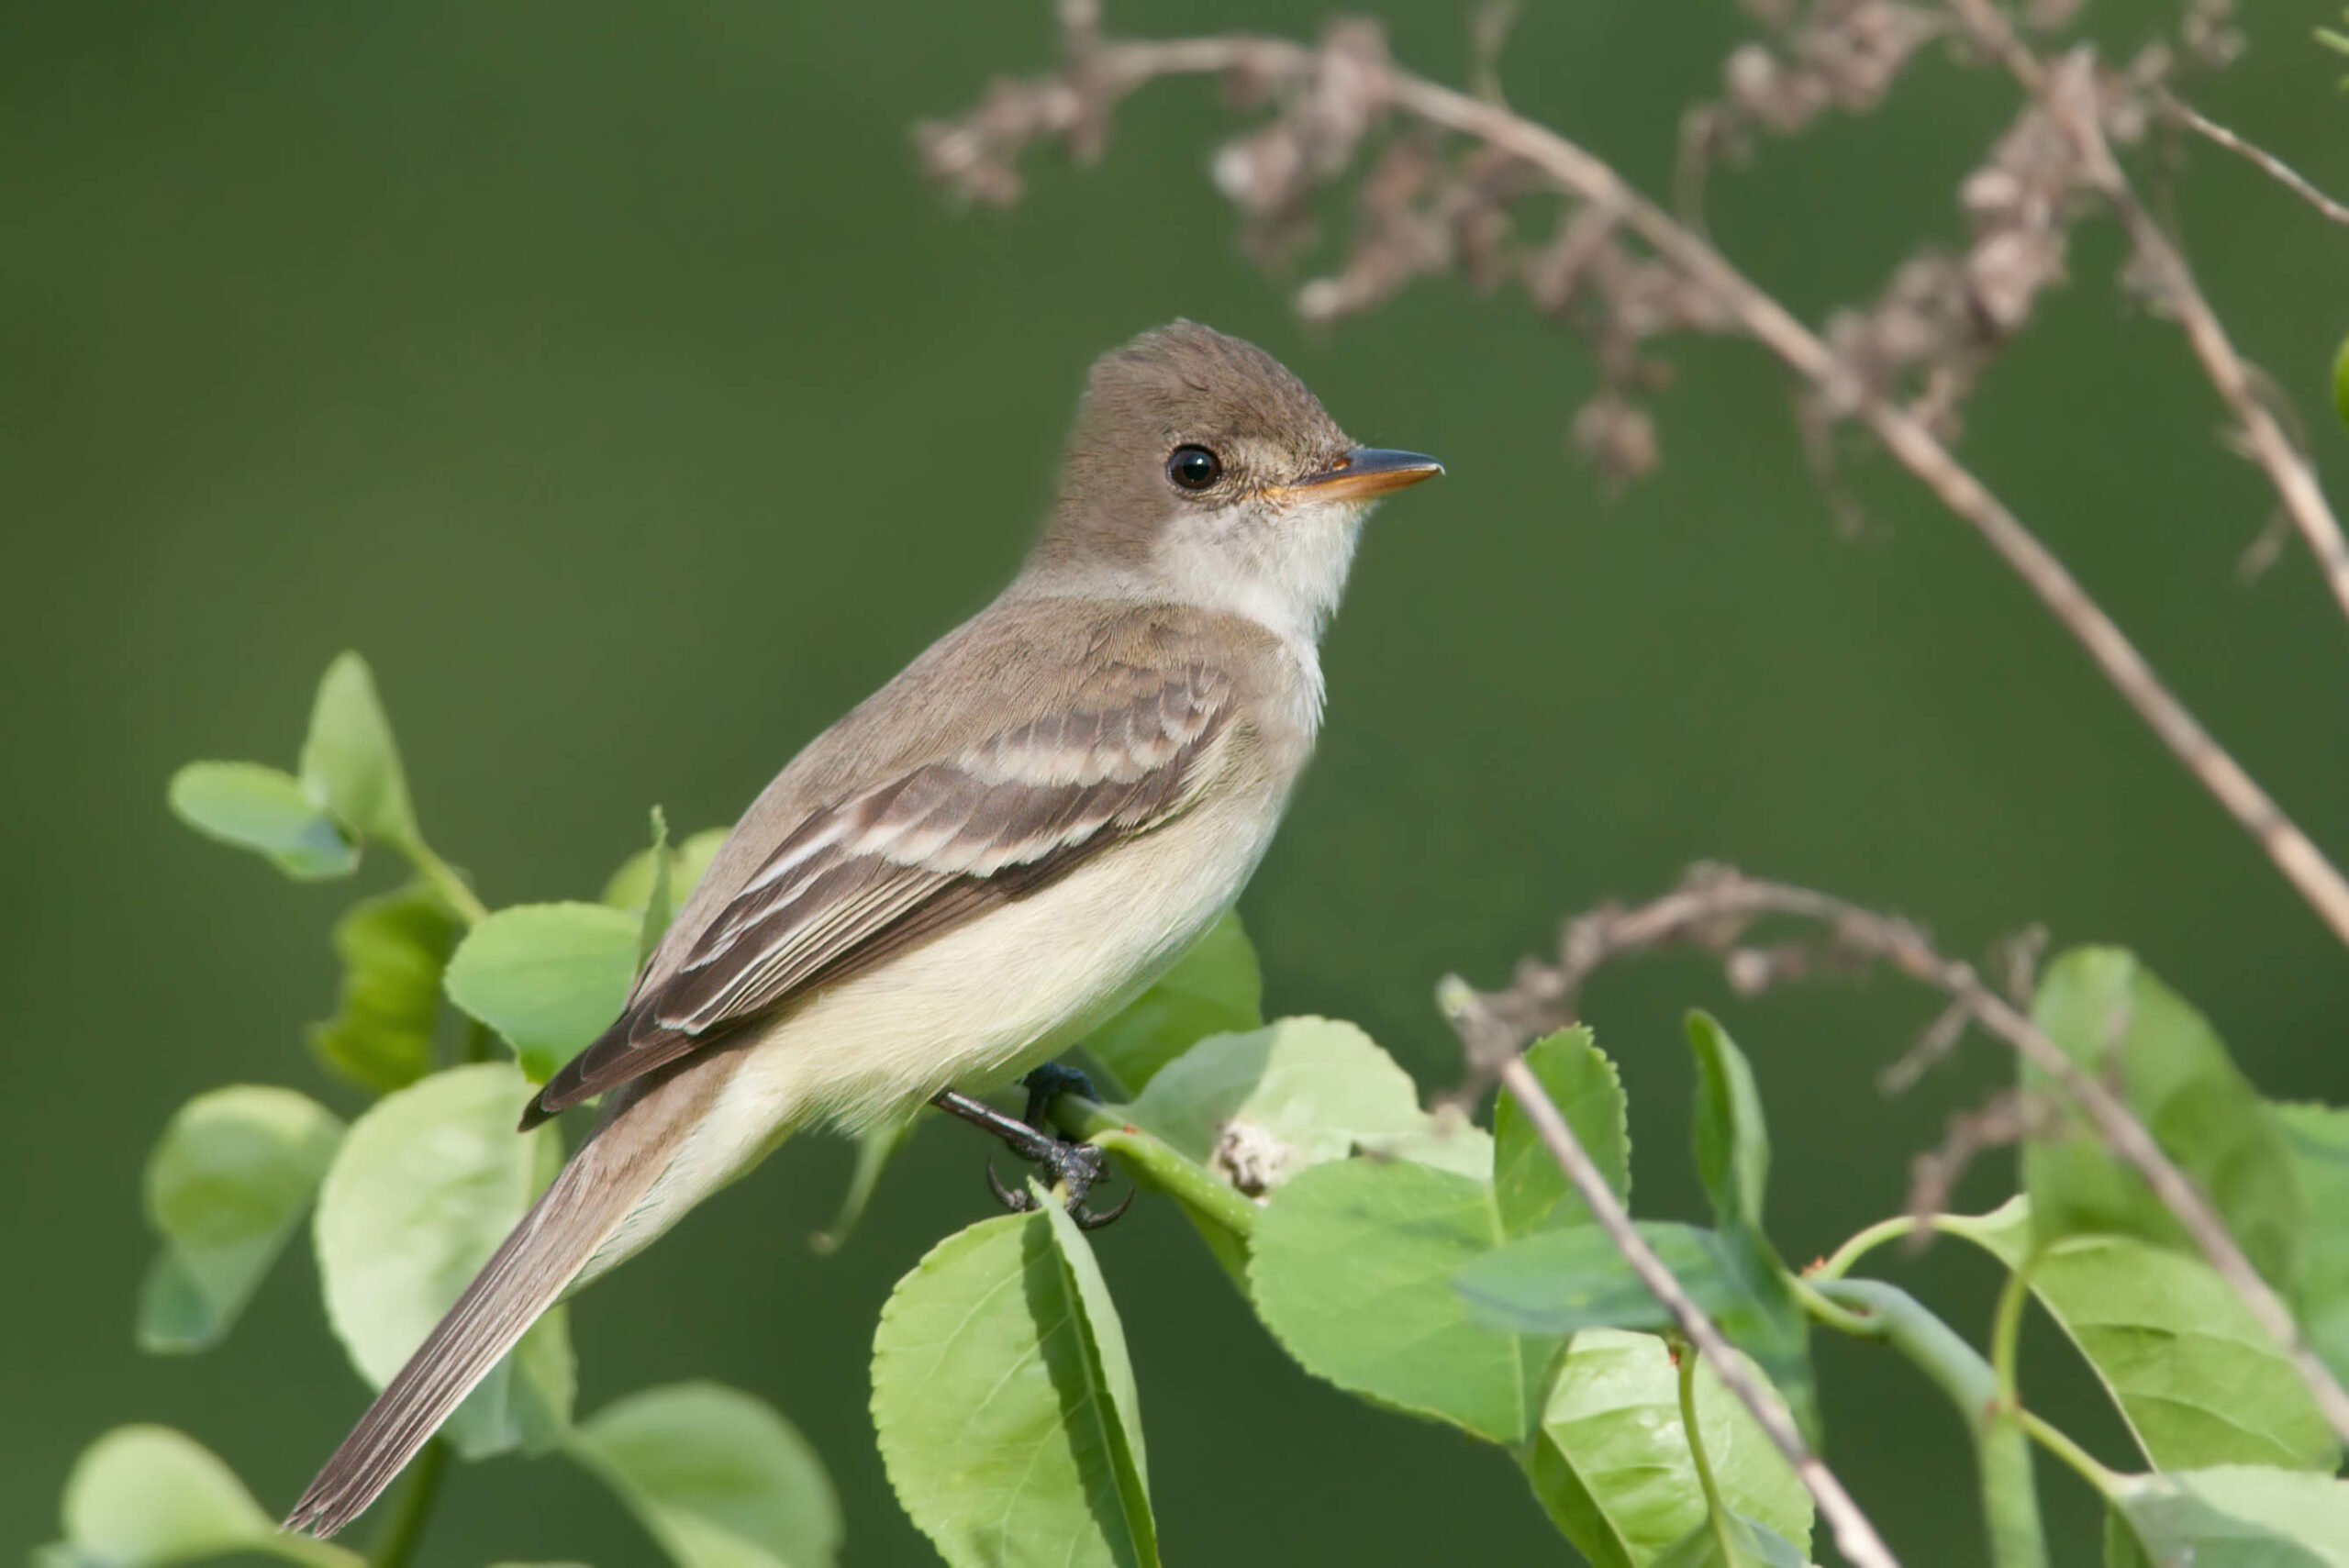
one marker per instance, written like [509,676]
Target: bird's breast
[971,1007]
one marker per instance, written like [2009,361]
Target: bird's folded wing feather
[865,876]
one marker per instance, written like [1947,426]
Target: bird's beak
[1364,472]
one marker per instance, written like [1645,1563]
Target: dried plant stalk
[1328,100]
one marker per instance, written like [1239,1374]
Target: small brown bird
[986,857]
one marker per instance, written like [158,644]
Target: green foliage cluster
[410,1197]
[1428,1265]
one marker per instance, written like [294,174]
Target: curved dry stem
[2267,163]
[2069,92]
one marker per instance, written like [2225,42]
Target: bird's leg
[1027,1141]
[1075,1167]
[1072,1166]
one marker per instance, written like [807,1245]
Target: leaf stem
[444,880]
[1839,1264]
[1841,1319]
[2056,1442]
[1158,1164]
[405,1527]
[2006,1333]
[1684,1356]
[2002,1453]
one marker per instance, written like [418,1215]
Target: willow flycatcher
[981,861]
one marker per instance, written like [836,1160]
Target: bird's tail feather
[579,1210]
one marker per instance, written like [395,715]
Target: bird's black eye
[1193,468]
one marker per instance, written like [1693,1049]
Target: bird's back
[1018,661]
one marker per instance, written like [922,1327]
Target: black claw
[1088,1220]
[1019,1202]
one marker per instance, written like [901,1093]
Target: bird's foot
[1074,1167]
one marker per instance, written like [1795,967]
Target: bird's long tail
[579,1211]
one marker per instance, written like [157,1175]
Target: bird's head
[1202,471]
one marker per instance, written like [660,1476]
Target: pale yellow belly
[968,1009]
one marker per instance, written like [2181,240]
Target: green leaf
[631,888]
[2124,1027]
[265,810]
[1733,1147]
[1733,1143]
[1258,1108]
[1351,1272]
[1611,1463]
[550,977]
[349,762]
[1217,987]
[1757,1547]
[2197,1381]
[2121,1548]
[2230,1516]
[142,1496]
[716,1476]
[1565,1281]
[1584,1085]
[2317,1139]
[394,948]
[875,1147]
[1003,1405]
[225,1186]
[426,1185]
[1109,1372]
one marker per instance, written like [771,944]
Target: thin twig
[1712,910]
[1917,450]
[2069,93]
[2275,167]
[1103,72]
[2007,1117]
[1489,28]
[2071,99]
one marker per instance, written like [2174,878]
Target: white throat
[1285,572]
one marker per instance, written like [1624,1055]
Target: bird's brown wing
[866,877]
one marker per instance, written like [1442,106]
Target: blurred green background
[608,377]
